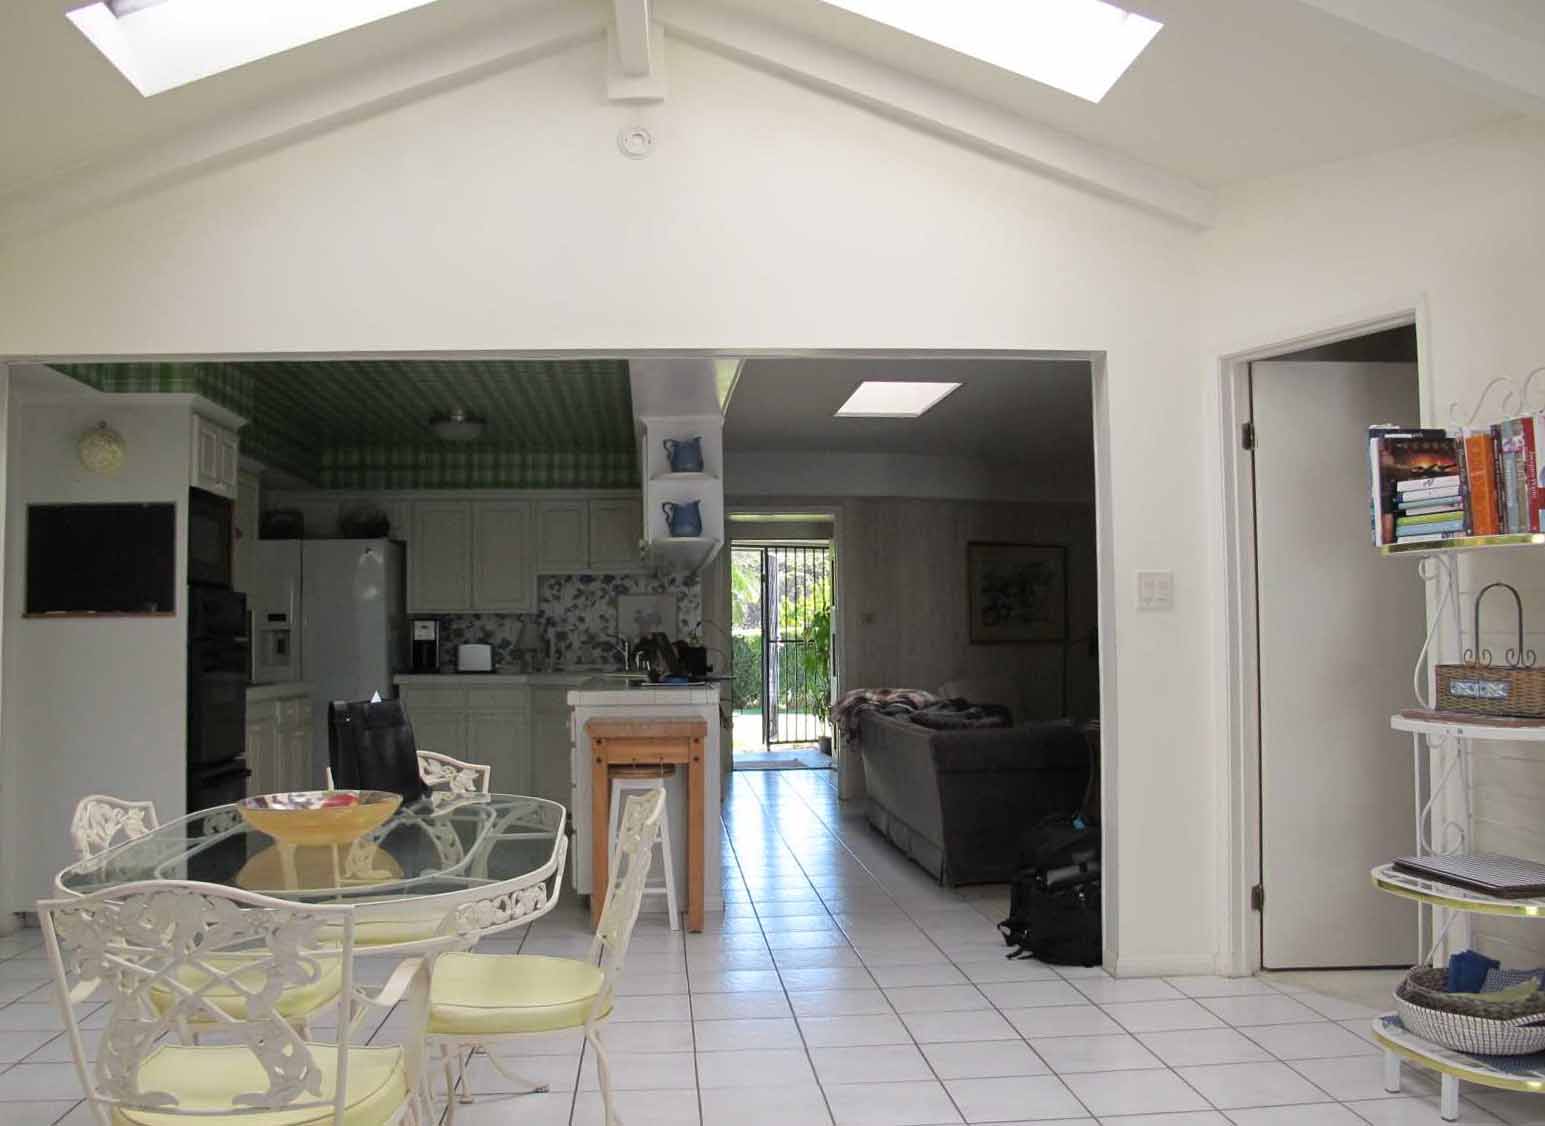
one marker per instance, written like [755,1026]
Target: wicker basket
[1477,687]
[1465,1023]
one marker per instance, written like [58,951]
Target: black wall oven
[211,542]
[217,697]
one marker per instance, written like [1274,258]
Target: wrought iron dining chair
[101,820]
[436,770]
[475,999]
[167,954]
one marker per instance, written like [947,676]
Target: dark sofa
[958,802]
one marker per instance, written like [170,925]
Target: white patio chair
[478,998]
[100,821]
[459,778]
[167,954]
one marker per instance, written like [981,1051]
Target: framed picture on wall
[1018,592]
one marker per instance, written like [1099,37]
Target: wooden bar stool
[642,779]
[650,745]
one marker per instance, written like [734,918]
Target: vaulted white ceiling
[1230,89]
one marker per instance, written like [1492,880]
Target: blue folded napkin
[1467,971]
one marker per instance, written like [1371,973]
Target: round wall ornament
[101,449]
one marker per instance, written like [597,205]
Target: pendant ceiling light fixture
[457,426]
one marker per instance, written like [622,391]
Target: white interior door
[1340,627]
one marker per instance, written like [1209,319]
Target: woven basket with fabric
[1461,1022]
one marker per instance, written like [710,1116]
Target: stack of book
[1430,485]
[1418,486]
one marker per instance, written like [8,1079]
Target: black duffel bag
[1054,901]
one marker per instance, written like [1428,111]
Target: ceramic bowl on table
[319,817]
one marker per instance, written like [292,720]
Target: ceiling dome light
[457,426]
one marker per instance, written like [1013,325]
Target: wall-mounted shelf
[683,478]
[687,554]
[663,552]
[1464,543]
[1436,894]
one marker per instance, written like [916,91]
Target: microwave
[211,542]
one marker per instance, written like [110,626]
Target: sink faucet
[622,650]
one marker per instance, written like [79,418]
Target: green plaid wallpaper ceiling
[364,424]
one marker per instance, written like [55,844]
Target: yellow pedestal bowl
[319,817]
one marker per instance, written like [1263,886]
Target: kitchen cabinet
[440,556]
[563,533]
[216,457]
[503,578]
[279,725]
[486,722]
[615,528]
[550,745]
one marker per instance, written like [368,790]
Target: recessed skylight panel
[883,399]
[1080,46]
[162,44]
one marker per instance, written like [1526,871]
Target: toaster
[474,658]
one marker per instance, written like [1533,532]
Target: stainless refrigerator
[351,640]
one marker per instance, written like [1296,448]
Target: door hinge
[1247,435]
[1258,898]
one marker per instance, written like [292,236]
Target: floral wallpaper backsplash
[576,619]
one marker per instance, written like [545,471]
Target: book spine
[1509,459]
[1428,484]
[1526,487]
[1496,461]
[1481,477]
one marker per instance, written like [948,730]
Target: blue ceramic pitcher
[684,519]
[686,454]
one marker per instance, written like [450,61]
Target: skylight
[161,44]
[1080,46]
[883,399]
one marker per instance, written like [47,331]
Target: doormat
[795,758]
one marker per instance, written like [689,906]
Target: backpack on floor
[1054,901]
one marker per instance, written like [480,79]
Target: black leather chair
[370,746]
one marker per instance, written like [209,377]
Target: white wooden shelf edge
[666,478]
[1470,728]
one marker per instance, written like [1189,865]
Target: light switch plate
[1155,590]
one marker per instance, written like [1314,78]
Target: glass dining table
[464,865]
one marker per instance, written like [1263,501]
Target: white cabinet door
[296,755]
[615,529]
[550,767]
[503,577]
[440,730]
[214,465]
[502,739]
[440,556]
[263,750]
[563,534]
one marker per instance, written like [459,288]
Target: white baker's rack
[1441,746]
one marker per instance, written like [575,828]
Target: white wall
[1459,229]
[90,706]
[831,473]
[500,216]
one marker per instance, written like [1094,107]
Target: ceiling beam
[635,54]
[310,112]
[1484,58]
[938,110]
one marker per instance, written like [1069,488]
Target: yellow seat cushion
[494,994]
[294,1004]
[206,1079]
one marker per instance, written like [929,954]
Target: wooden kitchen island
[646,743]
[693,791]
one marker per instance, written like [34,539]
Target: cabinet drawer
[289,713]
[417,697]
[484,699]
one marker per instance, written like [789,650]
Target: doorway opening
[783,594]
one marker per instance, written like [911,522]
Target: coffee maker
[426,645]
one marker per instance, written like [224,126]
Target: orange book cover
[1481,477]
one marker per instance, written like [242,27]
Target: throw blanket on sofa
[886,701]
[962,715]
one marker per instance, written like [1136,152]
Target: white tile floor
[842,986]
